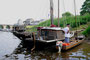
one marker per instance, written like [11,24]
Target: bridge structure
[6,26]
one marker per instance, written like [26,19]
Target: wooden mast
[51,11]
[75,17]
[58,14]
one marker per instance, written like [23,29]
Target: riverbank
[12,49]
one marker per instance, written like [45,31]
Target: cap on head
[68,24]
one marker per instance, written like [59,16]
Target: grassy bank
[84,26]
[82,21]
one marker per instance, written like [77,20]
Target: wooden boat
[44,34]
[48,35]
[73,43]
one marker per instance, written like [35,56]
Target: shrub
[86,32]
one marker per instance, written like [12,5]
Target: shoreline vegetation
[87,33]
[82,22]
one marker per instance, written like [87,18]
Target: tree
[85,7]
[67,14]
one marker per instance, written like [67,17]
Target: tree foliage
[85,7]
[67,14]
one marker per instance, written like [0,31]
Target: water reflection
[12,49]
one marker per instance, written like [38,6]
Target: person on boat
[67,34]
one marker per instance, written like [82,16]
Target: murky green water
[11,48]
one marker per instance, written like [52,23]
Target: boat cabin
[50,34]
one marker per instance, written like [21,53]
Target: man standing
[67,34]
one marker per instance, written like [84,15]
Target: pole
[64,16]
[58,14]
[51,11]
[33,35]
[75,17]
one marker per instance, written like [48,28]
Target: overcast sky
[12,10]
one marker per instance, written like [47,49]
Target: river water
[11,48]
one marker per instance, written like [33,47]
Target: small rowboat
[73,43]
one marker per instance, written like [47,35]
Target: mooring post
[33,35]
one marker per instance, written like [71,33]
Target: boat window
[44,33]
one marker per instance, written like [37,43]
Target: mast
[58,14]
[75,16]
[51,11]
